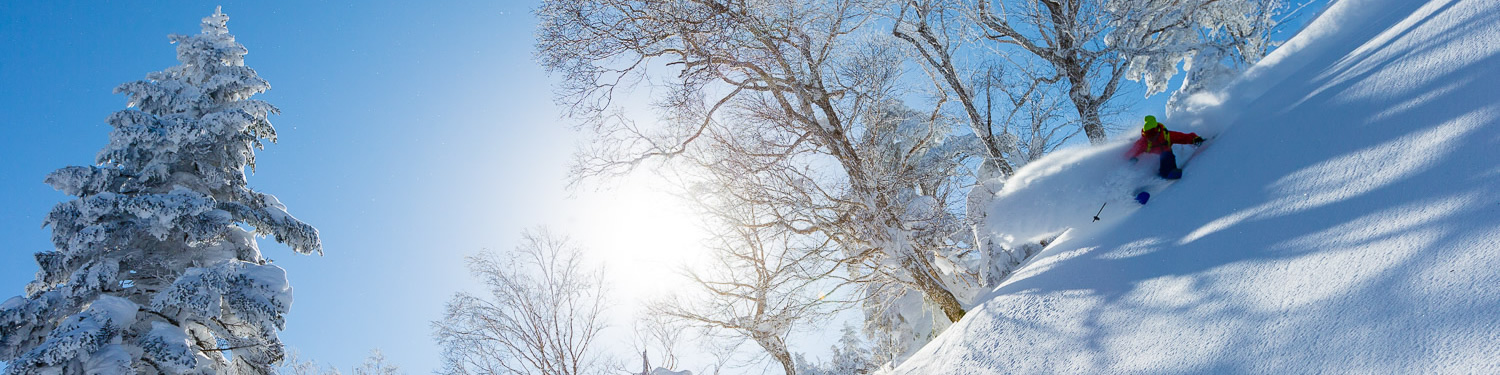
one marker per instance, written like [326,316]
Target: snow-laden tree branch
[1096,44]
[1029,124]
[777,88]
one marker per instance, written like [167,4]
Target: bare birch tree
[657,336]
[1029,124]
[375,364]
[543,314]
[1094,44]
[1091,46]
[760,285]
[776,87]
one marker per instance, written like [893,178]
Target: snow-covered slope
[1345,220]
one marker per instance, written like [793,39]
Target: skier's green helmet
[1150,123]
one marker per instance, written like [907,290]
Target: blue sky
[411,134]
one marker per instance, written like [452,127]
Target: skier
[1156,139]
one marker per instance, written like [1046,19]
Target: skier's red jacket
[1159,140]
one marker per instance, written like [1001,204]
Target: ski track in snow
[1346,221]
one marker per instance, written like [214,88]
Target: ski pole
[1101,210]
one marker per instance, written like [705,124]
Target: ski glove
[1198,141]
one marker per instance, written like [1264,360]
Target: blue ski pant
[1168,169]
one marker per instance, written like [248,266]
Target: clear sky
[411,134]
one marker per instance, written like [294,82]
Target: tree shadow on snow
[1361,236]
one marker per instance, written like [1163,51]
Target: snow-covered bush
[152,270]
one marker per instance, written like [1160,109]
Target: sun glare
[642,234]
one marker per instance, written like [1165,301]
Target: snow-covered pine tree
[849,357]
[153,271]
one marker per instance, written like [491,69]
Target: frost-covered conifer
[152,271]
[849,357]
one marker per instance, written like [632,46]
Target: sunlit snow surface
[1345,220]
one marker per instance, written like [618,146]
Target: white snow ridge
[1346,220]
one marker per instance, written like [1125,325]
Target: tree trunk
[1076,67]
[1080,92]
[1092,125]
[921,273]
[778,351]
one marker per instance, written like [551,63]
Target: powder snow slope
[1347,220]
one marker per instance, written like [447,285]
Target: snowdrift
[1346,220]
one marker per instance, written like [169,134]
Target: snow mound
[1066,189]
[1345,221]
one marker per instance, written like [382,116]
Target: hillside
[1345,219]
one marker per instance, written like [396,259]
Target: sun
[642,234]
